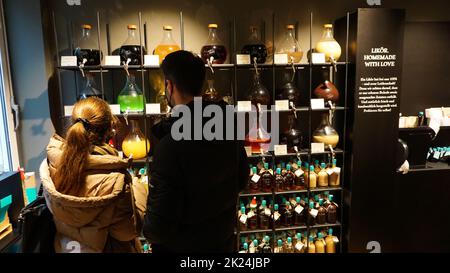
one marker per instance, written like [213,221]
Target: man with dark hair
[194,184]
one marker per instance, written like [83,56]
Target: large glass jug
[328,45]
[255,47]
[325,133]
[135,145]
[214,47]
[131,48]
[327,91]
[258,93]
[211,93]
[167,44]
[290,46]
[131,98]
[289,91]
[258,138]
[293,136]
[87,48]
[90,90]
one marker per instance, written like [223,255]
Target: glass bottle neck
[167,37]
[327,33]
[86,33]
[290,34]
[254,37]
[212,37]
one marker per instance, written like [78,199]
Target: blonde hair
[92,124]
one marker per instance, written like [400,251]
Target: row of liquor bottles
[213,50]
[293,211]
[323,241]
[293,176]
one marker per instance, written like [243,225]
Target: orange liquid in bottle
[163,50]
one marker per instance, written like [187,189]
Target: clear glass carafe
[90,90]
[214,47]
[211,93]
[131,48]
[167,44]
[325,133]
[135,145]
[131,98]
[290,46]
[255,47]
[328,45]
[87,48]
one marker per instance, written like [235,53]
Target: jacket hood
[105,181]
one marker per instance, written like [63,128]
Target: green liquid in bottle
[132,103]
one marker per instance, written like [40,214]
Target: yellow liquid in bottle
[323,178]
[331,247]
[312,180]
[332,140]
[320,247]
[135,148]
[330,49]
[163,50]
[296,57]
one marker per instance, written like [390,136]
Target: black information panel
[376,43]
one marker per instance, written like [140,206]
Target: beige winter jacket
[102,220]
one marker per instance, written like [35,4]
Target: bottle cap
[255,170]
[142,171]
[145,247]
[311,238]
[320,201]
[420,113]
[323,165]
[311,205]
[306,165]
[299,163]
[263,203]
[290,26]
[289,240]
[287,203]
[311,168]
[255,242]
[316,162]
[266,166]
[328,26]
[330,231]
[297,200]
[167,27]
[288,167]
[316,197]
[212,26]
[245,246]
[243,209]
[266,238]
[334,161]
[278,170]
[330,197]
[275,207]
[280,243]
[299,236]
[320,236]
[132,27]
[86,26]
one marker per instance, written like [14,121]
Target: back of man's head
[186,71]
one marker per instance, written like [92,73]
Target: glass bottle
[131,48]
[244,248]
[135,145]
[334,179]
[311,245]
[289,90]
[325,133]
[293,136]
[90,90]
[330,242]
[276,216]
[266,248]
[255,47]
[131,98]
[254,183]
[331,211]
[310,218]
[210,94]
[327,91]
[264,215]
[289,178]
[214,47]
[299,177]
[299,244]
[279,181]
[316,166]
[321,218]
[299,215]
[266,179]
[323,176]
[287,215]
[312,178]
[328,45]
[242,219]
[254,248]
[319,244]
[279,248]
[167,45]
[289,248]
[252,217]
[258,92]
[290,46]
[86,48]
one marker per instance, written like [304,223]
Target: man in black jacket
[194,184]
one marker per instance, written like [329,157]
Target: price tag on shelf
[243,219]
[281,58]
[317,103]
[69,61]
[299,172]
[280,149]
[313,213]
[255,178]
[68,110]
[242,59]
[281,105]
[112,60]
[244,106]
[318,58]
[115,109]
[153,108]
[317,148]
[298,209]
[248,150]
[151,60]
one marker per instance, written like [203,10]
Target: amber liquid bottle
[266,179]
[167,45]
[214,47]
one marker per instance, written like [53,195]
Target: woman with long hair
[88,188]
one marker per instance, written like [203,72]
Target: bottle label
[267,211]
[330,171]
[250,214]
[313,212]
[335,239]
[299,172]
[276,216]
[243,219]
[255,178]
[299,209]
[299,246]
[337,170]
